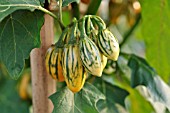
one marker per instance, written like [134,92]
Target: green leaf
[66,2]
[82,102]
[155,31]
[42,1]
[134,102]
[9,6]
[114,95]
[143,74]
[19,34]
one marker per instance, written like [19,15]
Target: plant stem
[127,35]
[60,11]
[53,15]
[75,10]
[82,28]
[93,7]
[60,14]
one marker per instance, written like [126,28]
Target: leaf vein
[24,27]
[13,39]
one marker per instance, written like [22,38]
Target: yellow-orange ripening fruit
[53,63]
[24,85]
[56,65]
[90,56]
[48,57]
[108,44]
[73,69]
[103,60]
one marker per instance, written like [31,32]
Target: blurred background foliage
[138,82]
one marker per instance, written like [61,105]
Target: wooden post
[42,84]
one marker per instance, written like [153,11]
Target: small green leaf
[82,102]
[143,74]
[19,34]
[9,6]
[66,2]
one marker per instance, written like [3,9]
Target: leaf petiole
[53,15]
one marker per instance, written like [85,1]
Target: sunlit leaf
[155,31]
[136,103]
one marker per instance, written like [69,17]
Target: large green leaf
[9,6]
[143,74]
[155,31]
[114,95]
[82,102]
[19,34]
[134,102]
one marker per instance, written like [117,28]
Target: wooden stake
[42,84]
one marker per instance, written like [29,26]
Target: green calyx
[61,41]
[74,33]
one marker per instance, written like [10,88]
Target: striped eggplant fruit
[73,70]
[53,63]
[99,22]
[56,65]
[90,56]
[89,26]
[94,36]
[47,59]
[108,44]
